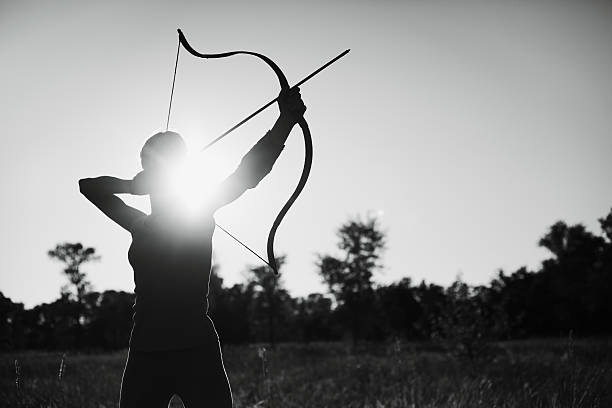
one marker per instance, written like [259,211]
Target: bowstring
[178,50]
[241,243]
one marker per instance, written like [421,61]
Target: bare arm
[258,162]
[255,165]
[101,192]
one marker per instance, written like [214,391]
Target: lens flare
[193,182]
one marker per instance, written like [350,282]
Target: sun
[195,180]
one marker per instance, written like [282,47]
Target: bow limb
[281,76]
[284,84]
[303,178]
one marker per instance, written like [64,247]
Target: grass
[542,373]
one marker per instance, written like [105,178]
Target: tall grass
[539,373]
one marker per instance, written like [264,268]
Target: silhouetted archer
[174,346]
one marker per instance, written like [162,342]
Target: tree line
[570,291]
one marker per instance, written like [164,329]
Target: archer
[174,347]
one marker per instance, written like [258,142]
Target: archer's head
[163,152]
[162,157]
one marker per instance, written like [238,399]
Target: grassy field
[543,373]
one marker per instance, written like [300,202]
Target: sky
[467,127]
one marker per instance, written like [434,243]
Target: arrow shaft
[258,111]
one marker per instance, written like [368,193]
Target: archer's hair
[165,148]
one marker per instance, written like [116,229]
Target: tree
[11,324]
[400,308]
[271,302]
[606,225]
[350,278]
[516,298]
[314,318]
[574,278]
[73,256]
[467,323]
[431,299]
[573,246]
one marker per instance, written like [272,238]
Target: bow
[284,84]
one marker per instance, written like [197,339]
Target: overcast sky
[467,127]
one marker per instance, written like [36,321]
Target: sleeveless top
[172,260]
[172,263]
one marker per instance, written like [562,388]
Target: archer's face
[155,162]
[158,170]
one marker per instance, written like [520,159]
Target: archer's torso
[172,263]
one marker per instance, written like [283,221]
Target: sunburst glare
[194,181]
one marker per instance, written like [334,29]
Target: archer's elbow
[252,184]
[258,175]
[248,182]
[86,187]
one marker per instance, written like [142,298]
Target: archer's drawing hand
[141,184]
[291,105]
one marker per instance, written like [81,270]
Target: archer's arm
[258,162]
[101,192]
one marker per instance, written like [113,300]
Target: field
[542,373]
